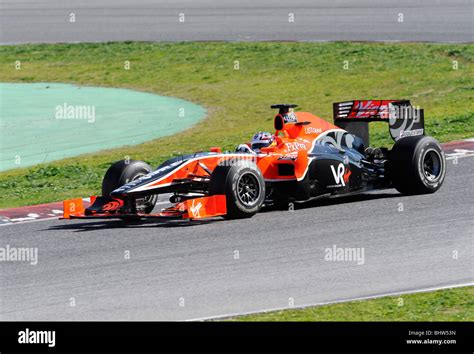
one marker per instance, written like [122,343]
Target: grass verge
[443,305]
[237,82]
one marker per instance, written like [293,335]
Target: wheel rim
[432,165]
[248,189]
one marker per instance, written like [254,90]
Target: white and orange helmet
[262,139]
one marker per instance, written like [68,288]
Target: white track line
[406,292]
[30,221]
[458,156]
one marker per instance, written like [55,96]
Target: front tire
[244,188]
[123,172]
[417,165]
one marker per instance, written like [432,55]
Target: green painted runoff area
[42,122]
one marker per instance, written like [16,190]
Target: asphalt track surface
[33,21]
[219,268]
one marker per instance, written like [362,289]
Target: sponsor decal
[312,130]
[295,146]
[113,205]
[414,132]
[235,160]
[196,210]
[347,174]
[368,109]
[290,118]
[341,175]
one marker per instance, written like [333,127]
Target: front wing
[110,208]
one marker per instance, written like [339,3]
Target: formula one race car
[306,158]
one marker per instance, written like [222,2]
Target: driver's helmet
[261,139]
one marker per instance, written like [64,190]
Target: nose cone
[118,193]
[128,188]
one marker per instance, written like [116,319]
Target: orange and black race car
[306,158]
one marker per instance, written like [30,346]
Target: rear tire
[123,172]
[244,188]
[417,165]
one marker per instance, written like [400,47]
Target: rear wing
[403,119]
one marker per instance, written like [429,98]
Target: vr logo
[340,177]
